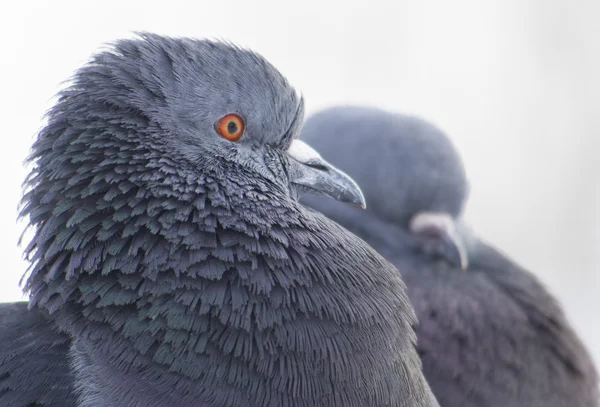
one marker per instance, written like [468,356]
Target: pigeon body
[489,333]
[170,247]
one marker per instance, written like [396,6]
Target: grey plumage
[34,367]
[181,265]
[489,336]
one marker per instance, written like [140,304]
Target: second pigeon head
[409,171]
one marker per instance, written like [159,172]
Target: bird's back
[34,364]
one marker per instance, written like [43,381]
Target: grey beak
[309,172]
[454,250]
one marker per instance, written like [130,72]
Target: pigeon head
[409,171]
[209,106]
[157,117]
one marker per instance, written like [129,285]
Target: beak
[455,250]
[309,172]
[441,237]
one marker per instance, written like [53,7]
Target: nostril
[317,166]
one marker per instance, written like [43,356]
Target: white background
[516,83]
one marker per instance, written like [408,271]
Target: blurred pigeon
[489,333]
[170,247]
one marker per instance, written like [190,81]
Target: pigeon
[170,249]
[489,333]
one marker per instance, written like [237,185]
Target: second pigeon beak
[311,173]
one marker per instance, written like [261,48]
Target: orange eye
[230,126]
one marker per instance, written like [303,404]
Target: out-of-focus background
[516,84]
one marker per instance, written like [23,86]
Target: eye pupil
[232,127]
